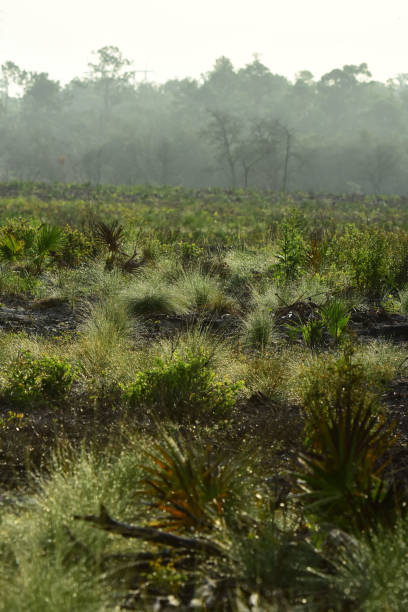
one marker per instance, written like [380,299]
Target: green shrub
[32,380]
[373,259]
[330,380]
[336,317]
[182,388]
[189,251]
[76,249]
[292,255]
[22,230]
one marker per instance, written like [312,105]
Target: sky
[183,38]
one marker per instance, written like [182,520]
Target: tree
[109,73]
[224,131]
[41,93]
[11,75]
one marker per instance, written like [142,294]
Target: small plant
[50,239]
[336,317]
[33,380]
[190,485]
[77,248]
[342,476]
[366,255]
[332,381]
[11,249]
[189,251]
[148,300]
[259,329]
[110,237]
[292,251]
[182,388]
[347,446]
[311,332]
[204,294]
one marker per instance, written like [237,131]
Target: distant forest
[232,128]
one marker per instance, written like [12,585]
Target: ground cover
[202,399]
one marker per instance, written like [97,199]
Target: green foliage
[191,485]
[335,316]
[348,446]
[370,573]
[49,239]
[204,294]
[259,329]
[154,300]
[110,237]
[312,333]
[332,381]
[76,248]
[367,255]
[33,380]
[189,251]
[184,388]
[342,476]
[292,253]
[11,249]
[275,562]
[22,229]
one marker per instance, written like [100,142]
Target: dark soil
[50,317]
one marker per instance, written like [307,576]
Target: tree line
[233,128]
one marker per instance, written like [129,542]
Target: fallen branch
[105,522]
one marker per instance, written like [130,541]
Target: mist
[232,128]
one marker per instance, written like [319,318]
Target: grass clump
[259,330]
[183,388]
[371,572]
[204,294]
[152,296]
[106,345]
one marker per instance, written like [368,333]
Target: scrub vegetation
[202,399]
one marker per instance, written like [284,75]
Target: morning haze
[296,96]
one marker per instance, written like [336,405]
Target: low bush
[184,387]
[330,379]
[33,380]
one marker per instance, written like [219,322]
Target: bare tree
[224,132]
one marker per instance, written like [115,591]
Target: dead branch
[105,522]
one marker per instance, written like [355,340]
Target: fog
[233,127]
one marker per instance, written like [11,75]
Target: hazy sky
[178,38]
